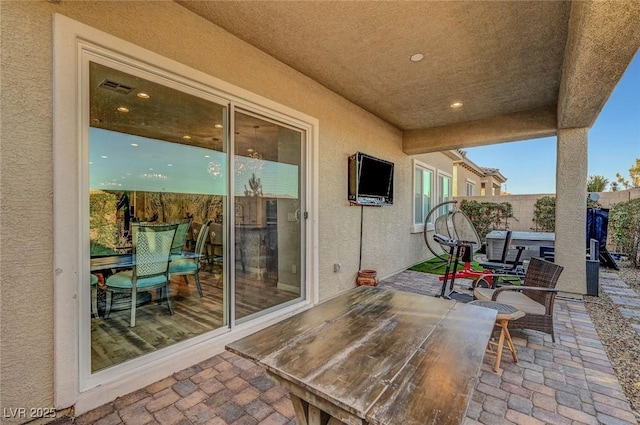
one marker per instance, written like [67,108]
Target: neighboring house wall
[464,176]
[495,185]
[468,176]
[26,263]
[524,205]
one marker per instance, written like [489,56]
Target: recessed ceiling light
[150,169]
[142,95]
[186,137]
[218,126]
[169,165]
[207,156]
[456,105]
[134,144]
[104,156]
[123,109]
[416,57]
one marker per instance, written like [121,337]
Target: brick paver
[568,382]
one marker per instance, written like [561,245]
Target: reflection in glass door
[157,156]
[268,221]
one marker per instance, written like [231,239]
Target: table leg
[315,415]
[308,414]
[311,409]
[300,407]
[496,365]
[510,342]
[504,335]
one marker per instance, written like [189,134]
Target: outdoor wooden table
[376,356]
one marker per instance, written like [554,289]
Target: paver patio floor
[567,382]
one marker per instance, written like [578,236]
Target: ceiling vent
[116,87]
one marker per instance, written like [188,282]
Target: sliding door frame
[74,385]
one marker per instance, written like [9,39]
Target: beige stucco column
[571,201]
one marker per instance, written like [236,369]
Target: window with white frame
[422,193]
[444,190]
[469,188]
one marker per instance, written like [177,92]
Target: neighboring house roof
[482,172]
[495,173]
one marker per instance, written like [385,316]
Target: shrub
[544,214]
[624,228]
[102,222]
[487,216]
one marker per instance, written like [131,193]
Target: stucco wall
[26,242]
[524,205]
[523,208]
[26,363]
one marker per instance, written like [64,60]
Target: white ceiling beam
[532,124]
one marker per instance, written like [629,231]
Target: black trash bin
[593,277]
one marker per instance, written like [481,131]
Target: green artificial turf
[438,266]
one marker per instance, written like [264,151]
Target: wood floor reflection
[114,342]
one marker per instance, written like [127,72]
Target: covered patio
[569,382]
[409,82]
[451,75]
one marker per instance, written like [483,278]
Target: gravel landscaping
[620,335]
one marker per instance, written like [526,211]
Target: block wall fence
[524,205]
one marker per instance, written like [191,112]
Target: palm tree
[597,183]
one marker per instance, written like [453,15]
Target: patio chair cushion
[123,280]
[514,298]
[183,265]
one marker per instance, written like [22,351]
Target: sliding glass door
[268,222]
[157,155]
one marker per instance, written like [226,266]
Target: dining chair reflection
[185,266]
[151,251]
[180,239]
[94,296]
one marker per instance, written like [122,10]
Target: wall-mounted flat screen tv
[370,180]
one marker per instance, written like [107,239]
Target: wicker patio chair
[535,296]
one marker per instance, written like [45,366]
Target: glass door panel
[268,235]
[157,155]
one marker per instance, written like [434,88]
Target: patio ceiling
[521,69]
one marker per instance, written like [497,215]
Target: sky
[614,144]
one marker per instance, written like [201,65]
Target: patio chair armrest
[492,275]
[497,292]
[548,303]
